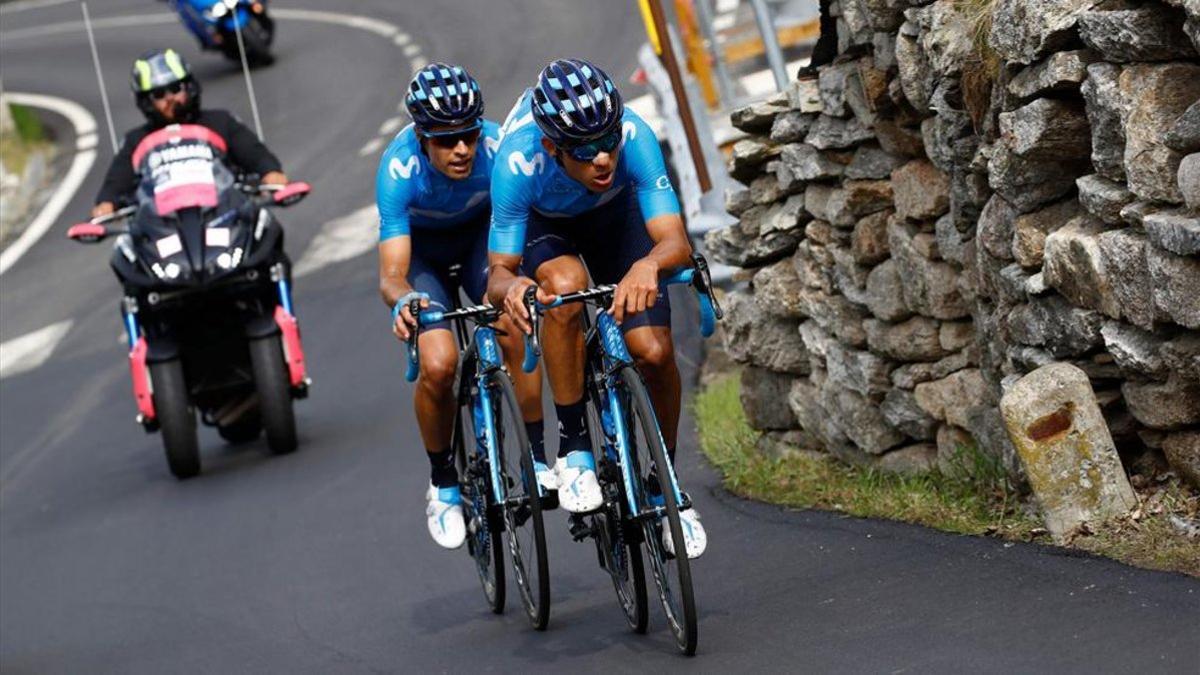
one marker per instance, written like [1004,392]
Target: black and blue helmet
[575,102]
[443,95]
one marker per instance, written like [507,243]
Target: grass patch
[27,136]
[983,504]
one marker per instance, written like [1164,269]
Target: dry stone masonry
[970,191]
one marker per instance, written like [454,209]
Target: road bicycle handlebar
[480,314]
[697,276]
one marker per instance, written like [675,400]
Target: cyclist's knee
[562,275]
[652,350]
[437,371]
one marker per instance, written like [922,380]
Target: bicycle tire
[680,612]
[534,589]
[616,541]
[484,543]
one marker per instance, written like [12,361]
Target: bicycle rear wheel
[672,574]
[483,530]
[617,541]
[523,524]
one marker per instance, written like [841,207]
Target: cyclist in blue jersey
[432,190]
[579,178]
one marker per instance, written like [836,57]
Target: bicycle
[497,478]
[626,435]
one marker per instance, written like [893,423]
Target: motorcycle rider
[167,93]
[433,193]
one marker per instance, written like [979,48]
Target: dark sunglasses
[588,151]
[451,139]
[163,92]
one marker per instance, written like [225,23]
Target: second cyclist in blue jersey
[432,190]
[579,178]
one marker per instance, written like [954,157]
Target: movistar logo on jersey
[629,130]
[491,145]
[404,170]
[519,165]
[662,183]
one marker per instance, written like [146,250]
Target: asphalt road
[319,561]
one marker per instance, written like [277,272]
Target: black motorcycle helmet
[158,69]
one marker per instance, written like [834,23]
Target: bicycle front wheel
[483,527]
[672,574]
[523,524]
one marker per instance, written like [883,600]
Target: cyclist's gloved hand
[403,322]
[637,292]
[514,302]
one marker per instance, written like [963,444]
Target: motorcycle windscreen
[178,166]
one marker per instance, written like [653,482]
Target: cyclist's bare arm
[638,290]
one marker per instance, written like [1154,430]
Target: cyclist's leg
[557,269]
[611,245]
[512,346]
[433,399]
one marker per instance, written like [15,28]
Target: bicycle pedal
[579,529]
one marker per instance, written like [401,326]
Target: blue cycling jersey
[525,177]
[409,192]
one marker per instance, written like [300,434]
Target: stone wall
[971,190]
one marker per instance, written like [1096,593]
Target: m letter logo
[519,165]
[399,170]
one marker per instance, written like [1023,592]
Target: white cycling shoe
[546,477]
[578,489]
[445,516]
[695,540]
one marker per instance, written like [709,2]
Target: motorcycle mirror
[87,233]
[292,193]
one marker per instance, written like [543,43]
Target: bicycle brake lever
[414,358]
[533,347]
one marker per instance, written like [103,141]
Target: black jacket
[246,153]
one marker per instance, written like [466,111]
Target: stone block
[761,395]
[900,409]
[1188,180]
[1158,95]
[910,460]
[1174,404]
[1105,110]
[1074,266]
[921,191]
[1175,280]
[1184,135]
[1182,450]
[1053,323]
[870,162]
[859,419]
[790,127]
[950,398]
[756,338]
[1151,32]
[1026,30]
[857,370]
[1068,454]
[869,241]
[885,292]
[1136,351]
[1030,231]
[1059,72]
[1177,233]
[1103,198]
[1125,264]
[910,375]
[833,133]
[777,290]
[758,117]
[913,340]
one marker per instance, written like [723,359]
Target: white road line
[20,5]
[31,350]
[402,39]
[391,126]
[372,146]
[341,239]
[84,125]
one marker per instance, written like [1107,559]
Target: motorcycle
[207,304]
[215,24]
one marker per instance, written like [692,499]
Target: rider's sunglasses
[450,138]
[163,92]
[588,151]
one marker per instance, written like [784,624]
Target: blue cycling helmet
[575,102]
[443,95]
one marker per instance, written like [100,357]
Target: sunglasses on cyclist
[588,151]
[163,92]
[451,138]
